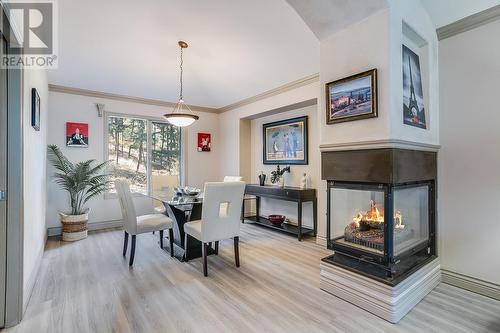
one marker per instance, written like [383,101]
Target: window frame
[149,148]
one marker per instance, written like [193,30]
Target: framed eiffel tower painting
[413,94]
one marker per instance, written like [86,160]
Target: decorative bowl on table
[187,191]
[276,219]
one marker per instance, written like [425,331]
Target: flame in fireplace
[374,216]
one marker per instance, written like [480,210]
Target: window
[146,153]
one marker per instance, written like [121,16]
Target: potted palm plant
[83,181]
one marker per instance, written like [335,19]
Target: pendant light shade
[181,115]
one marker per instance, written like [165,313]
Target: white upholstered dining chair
[220,218]
[233,179]
[135,225]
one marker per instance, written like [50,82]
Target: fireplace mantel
[378,144]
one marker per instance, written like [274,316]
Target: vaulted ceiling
[237,48]
[325,17]
[444,12]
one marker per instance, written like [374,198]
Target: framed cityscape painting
[413,96]
[285,142]
[352,98]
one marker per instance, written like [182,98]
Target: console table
[295,194]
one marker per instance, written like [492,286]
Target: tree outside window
[145,153]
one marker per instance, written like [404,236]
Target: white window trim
[149,120]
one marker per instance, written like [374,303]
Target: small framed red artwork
[204,141]
[77,135]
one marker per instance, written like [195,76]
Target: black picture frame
[413,92]
[35,109]
[359,109]
[297,152]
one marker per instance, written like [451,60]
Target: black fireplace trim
[335,259]
[386,262]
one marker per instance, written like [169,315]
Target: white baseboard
[32,278]
[477,286]
[320,240]
[56,231]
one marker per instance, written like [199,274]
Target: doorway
[3,182]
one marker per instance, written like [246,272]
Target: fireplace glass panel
[411,218]
[357,218]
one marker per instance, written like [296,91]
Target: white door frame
[15,222]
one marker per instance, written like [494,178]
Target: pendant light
[181,115]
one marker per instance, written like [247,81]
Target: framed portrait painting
[35,109]
[285,142]
[352,98]
[77,135]
[204,141]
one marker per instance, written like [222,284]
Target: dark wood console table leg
[257,207]
[299,217]
[315,216]
[243,211]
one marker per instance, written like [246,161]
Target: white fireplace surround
[388,302]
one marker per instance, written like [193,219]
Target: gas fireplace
[381,211]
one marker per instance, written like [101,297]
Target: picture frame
[352,98]
[35,109]
[77,135]
[286,142]
[413,93]
[204,142]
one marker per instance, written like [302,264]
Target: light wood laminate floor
[87,286]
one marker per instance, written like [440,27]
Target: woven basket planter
[74,226]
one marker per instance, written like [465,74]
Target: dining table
[182,209]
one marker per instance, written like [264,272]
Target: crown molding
[273,92]
[123,98]
[469,23]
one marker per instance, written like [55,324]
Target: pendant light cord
[180,95]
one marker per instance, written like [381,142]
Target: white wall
[231,154]
[376,42]
[358,48]
[469,160]
[289,209]
[230,127]
[200,166]
[34,155]
[416,17]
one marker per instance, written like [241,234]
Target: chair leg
[132,251]
[186,247]
[125,243]
[171,240]
[161,239]
[237,251]
[217,247]
[205,250]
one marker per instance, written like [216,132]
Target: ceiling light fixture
[181,115]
